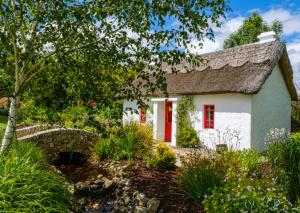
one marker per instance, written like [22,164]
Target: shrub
[74,117]
[248,195]
[201,174]
[130,141]
[250,160]
[275,150]
[102,150]
[163,157]
[3,112]
[295,136]
[186,135]
[25,185]
[284,152]
[244,161]
[292,167]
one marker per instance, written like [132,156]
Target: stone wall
[62,140]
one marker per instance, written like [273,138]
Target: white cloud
[290,21]
[221,34]
[294,55]
[291,26]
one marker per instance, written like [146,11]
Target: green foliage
[3,112]
[250,160]
[200,174]
[275,151]
[25,185]
[162,158]
[296,116]
[186,135]
[78,44]
[103,149]
[292,167]
[295,136]
[248,195]
[75,117]
[29,112]
[284,152]
[244,162]
[251,28]
[131,141]
[3,122]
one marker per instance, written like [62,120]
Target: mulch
[164,185]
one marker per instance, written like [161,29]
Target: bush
[292,167]
[250,160]
[248,195]
[3,112]
[186,135]
[163,157]
[284,152]
[244,162]
[201,174]
[102,150]
[25,185]
[130,141]
[75,117]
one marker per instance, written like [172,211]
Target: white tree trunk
[11,125]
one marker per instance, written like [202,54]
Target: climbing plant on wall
[186,135]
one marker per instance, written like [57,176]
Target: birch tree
[38,35]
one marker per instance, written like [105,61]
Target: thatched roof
[242,69]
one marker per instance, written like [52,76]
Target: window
[209,116]
[142,115]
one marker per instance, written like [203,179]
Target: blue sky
[287,11]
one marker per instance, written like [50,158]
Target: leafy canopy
[250,29]
[88,36]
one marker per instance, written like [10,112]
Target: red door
[168,121]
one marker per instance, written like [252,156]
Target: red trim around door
[168,121]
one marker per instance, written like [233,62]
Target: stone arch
[57,140]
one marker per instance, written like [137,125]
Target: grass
[3,122]
[26,185]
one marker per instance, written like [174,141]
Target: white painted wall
[158,120]
[232,114]
[251,116]
[133,115]
[271,108]
[130,111]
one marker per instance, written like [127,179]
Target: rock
[100,176]
[123,209]
[152,205]
[135,193]
[126,200]
[96,206]
[94,186]
[140,196]
[126,188]
[139,209]
[81,186]
[71,188]
[141,199]
[82,201]
[98,181]
[107,183]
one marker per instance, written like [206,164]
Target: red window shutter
[209,116]
[142,115]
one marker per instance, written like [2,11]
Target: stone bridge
[55,139]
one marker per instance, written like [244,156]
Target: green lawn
[3,121]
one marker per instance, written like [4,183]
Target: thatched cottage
[247,90]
